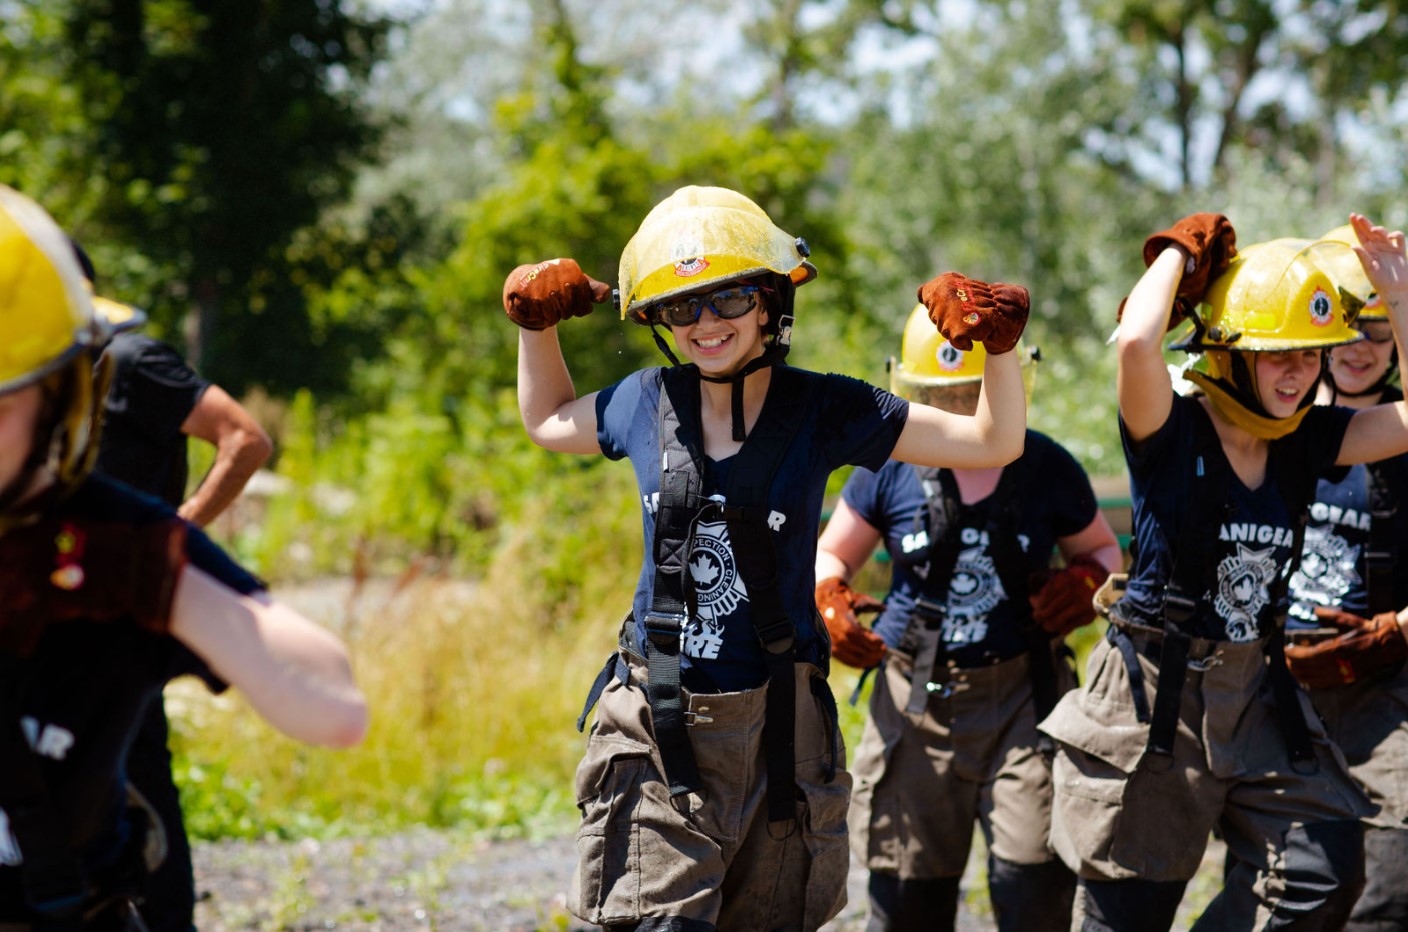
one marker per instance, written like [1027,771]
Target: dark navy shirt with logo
[844,422]
[983,623]
[1334,568]
[81,695]
[1249,541]
[153,392]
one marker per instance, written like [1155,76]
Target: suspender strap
[1173,673]
[746,516]
[615,666]
[1284,690]
[55,884]
[923,636]
[679,502]
[1379,560]
[1122,642]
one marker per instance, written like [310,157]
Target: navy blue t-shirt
[80,697]
[843,421]
[1334,568]
[153,391]
[1252,543]
[982,623]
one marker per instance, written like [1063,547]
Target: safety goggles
[726,303]
[1375,331]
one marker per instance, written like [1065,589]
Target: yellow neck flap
[1234,412]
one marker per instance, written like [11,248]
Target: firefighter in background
[154,401]
[1189,720]
[713,791]
[1352,580]
[972,641]
[106,596]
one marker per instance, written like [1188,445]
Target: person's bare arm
[1097,541]
[994,436]
[295,673]
[845,544]
[1144,386]
[241,447]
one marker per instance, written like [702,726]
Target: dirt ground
[440,880]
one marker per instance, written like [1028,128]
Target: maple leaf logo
[963,584]
[703,571]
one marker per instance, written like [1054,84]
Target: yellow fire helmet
[702,236]
[1273,296]
[1335,253]
[927,360]
[48,328]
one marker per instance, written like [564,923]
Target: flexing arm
[295,673]
[994,436]
[1144,386]
[241,447]
[553,415]
[1381,431]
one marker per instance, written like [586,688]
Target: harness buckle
[663,628]
[1206,663]
[777,636]
[932,612]
[698,718]
[1178,608]
[945,690]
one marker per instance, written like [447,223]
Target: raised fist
[851,643]
[539,296]
[967,310]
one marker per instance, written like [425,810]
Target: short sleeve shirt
[982,622]
[1334,569]
[81,696]
[1248,542]
[844,421]
[153,391]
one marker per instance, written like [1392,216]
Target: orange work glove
[965,309]
[1063,600]
[539,296]
[1364,646]
[850,642]
[64,569]
[1211,243]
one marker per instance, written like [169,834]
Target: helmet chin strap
[773,354]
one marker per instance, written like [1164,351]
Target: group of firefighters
[1250,682]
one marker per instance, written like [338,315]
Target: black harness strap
[745,513]
[1188,578]
[923,637]
[1379,559]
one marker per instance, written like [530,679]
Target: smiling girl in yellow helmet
[713,792]
[1189,721]
[105,596]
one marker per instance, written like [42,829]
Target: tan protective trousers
[709,858]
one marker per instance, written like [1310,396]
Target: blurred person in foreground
[1189,720]
[714,792]
[155,400]
[971,649]
[105,595]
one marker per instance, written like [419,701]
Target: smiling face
[1283,379]
[721,347]
[1358,367]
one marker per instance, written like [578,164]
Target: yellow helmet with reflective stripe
[702,236]
[926,358]
[1335,253]
[46,313]
[1273,296]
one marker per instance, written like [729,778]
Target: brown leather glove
[850,642]
[539,296]
[62,570]
[967,310]
[1364,646]
[1211,243]
[1064,600]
